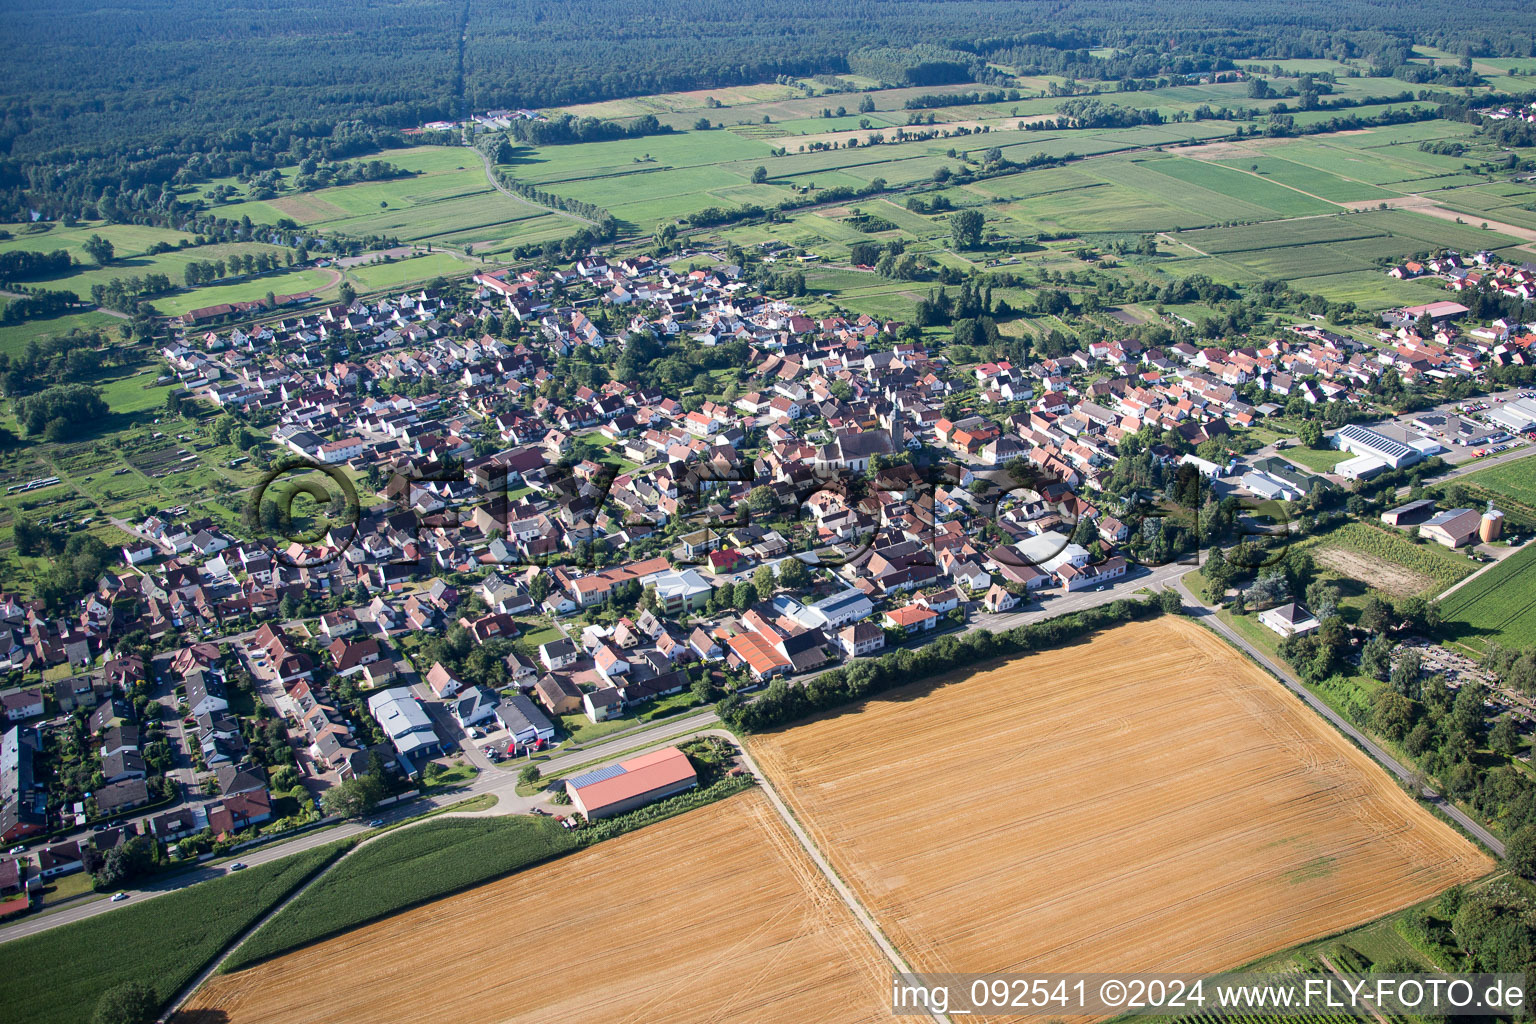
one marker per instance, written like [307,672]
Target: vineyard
[1499,605]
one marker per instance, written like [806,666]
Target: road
[501,782]
[1200,610]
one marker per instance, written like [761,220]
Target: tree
[1405,675]
[764,581]
[1170,603]
[1376,658]
[348,293]
[759,174]
[355,797]
[529,775]
[131,1002]
[1311,434]
[1376,616]
[1520,852]
[98,249]
[965,229]
[867,105]
[762,500]
[793,575]
[743,596]
[1392,715]
[1505,736]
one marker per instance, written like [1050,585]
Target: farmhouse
[632,783]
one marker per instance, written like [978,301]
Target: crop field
[59,974]
[1149,800]
[712,915]
[448,200]
[1513,481]
[1500,605]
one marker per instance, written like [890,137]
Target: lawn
[59,975]
[403,869]
[1318,460]
[402,272]
[1497,606]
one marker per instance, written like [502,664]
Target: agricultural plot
[399,273]
[1513,481]
[448,200]
[1497,606]
[712,915]
[1389,561]
[1312,180]
[1146,801]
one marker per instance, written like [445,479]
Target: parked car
[17,849]
[119,897]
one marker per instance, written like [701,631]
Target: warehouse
[1517,416]
[629,784]
[1364,441]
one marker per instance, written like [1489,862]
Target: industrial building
[1373,443]
[1516,416]
[405,722]
[633,783]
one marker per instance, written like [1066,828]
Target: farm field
[1389,561]
[1496,606]
[1515,481]
[711,915]
[1148,801]
[60,974]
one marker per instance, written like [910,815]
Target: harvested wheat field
[1148,801]
[715,915]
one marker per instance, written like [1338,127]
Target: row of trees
[783,702]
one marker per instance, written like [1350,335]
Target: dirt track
[1150,801]
[715,915]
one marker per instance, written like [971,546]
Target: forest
[98,75]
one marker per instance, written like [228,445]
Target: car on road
[119,897]
[237,866]
[17,849]
[376,823]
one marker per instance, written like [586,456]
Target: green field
[402,272]
[59,974]
[403,869]
[1500,605]
[448,201]
[1514,481]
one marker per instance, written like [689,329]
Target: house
[19,705]
[60,859]
[1289,619]
[558,694]
[603,704]
[1453,527]
[860,639]
[117,797]
[999,599]
[239,812]
[632,783]
[912,618]
[558,654]
[524,722]
[477,704]
[442,682]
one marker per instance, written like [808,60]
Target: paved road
[1208,615]
[500,782]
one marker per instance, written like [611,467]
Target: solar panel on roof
[595,776]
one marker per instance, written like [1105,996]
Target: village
[601,552]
